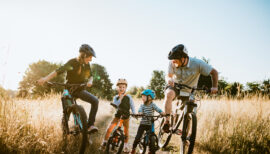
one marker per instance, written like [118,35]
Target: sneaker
[133,151]
[166,127]
[92,129]
[126,149]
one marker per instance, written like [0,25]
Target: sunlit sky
[133,38]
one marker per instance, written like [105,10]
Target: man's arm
[169,79]
[214,76]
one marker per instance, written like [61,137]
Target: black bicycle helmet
[178,52]
[89,51]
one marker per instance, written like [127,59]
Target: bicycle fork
[186,121]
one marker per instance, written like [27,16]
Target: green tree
[133,90]
[139,92]
[102,86]
[265,87]
[234,89]
[34,72]
[253,87]
[157,83]
[222,84]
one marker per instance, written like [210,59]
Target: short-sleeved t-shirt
[189,75]
[76,72]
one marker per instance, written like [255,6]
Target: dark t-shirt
[74,75]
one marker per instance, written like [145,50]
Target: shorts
[177,93]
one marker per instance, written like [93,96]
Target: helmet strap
[182,63]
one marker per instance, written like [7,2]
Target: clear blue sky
[133,38]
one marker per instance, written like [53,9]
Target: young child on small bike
[147,108]
[124,103]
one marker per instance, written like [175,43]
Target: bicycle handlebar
[181,86]
[149,116]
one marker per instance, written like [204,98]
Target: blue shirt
[148,110]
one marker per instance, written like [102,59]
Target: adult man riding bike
[185,70]
[79,71]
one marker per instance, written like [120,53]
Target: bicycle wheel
[142,145]
[75,129]
[115,143]
[188,134]
[163,137]
[153,144]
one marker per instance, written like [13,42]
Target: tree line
[102,85]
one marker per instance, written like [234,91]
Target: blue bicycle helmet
[149,92]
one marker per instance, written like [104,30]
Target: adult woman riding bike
[79,71]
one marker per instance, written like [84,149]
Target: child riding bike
[147,108]
[124,103]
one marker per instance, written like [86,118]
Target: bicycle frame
[70,100]
[189,120]
[149,133]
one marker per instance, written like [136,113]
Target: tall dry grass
[231,126]
[34,126]
[224,125]
[234,126]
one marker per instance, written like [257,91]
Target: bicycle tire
[111,145]
[190,138]
[153,146]
[79,139]
[142,145]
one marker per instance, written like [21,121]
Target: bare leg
[169,96]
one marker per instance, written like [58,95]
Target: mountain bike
[149,138]
[185,115]
[116,141]
[74,120]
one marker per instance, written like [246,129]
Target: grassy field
[224,126]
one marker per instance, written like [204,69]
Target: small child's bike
[149,138]
[116,141]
